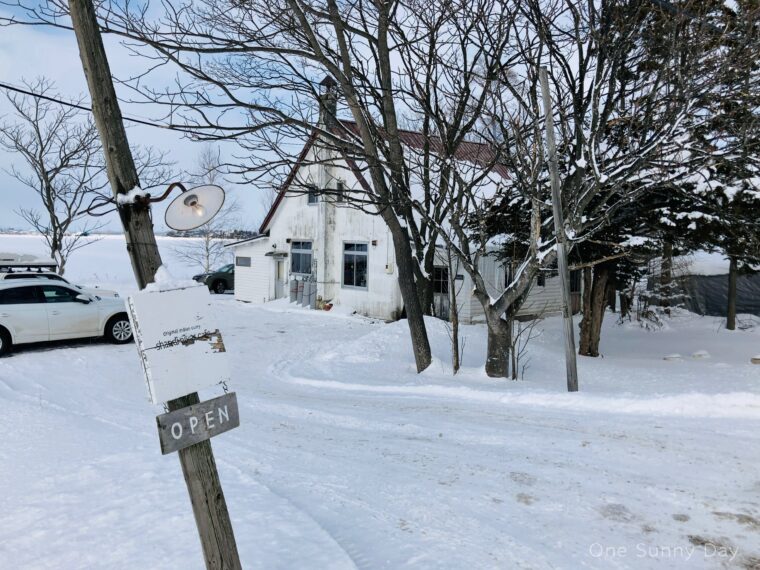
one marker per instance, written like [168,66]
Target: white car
[14,275]
[33,310]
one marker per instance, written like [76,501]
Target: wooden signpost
[182,351]
[197,460]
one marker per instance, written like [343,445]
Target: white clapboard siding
[329,225]
[544,300]
[492,271]
[253,284]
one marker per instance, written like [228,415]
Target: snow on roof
[247,240]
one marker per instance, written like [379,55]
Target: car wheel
[219,287]
[5,341]
[118,329]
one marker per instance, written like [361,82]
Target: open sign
[193,424]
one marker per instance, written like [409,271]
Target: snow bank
[346,458]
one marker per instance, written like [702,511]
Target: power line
[145,122]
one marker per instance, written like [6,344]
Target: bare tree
[620,129]
[460,72]
[249,72]
[60,153]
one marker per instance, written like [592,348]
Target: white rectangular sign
[179,341]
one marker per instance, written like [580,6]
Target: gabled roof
[288,182]
[467,151]
[246,240]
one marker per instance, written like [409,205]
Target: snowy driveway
[347,459]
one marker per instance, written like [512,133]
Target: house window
[339,192]
[441,280]
[243,261]
[575,281]
[300,257]
[541,279]
[312,194]
[355,265]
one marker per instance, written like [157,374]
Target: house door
[441,293]
[441,306]
[279,278]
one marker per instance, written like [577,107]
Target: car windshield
[225,269]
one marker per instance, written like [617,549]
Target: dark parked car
[219,281]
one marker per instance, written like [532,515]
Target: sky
[32,52]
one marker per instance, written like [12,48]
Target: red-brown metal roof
[468,151]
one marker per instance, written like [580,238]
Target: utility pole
[198,464]
[564,272]
[122,174]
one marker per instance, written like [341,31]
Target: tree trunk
[624,305]
[514,364]
[60,261]
[414,315]
[499,342]
[591,324]
[666,276]
[731,309]
[453,315]
[583,341]
[611,296]
[598,305]
[425,291]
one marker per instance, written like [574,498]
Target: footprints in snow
[525,480]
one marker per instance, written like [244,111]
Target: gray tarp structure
[708,294]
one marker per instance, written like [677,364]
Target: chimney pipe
[328,103]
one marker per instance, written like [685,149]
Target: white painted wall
[254,284]
[329,225]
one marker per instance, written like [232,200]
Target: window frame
[36,293]
[72,297]
[243,257]
[312,195]
[343,283]
[576,280]
[445,271]
[299,252]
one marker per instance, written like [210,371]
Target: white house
[315,248]
[345,253]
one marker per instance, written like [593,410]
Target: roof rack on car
[24,262]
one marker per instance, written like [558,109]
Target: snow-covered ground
[345,458]
[104,262]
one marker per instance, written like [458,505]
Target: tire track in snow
[357,559]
